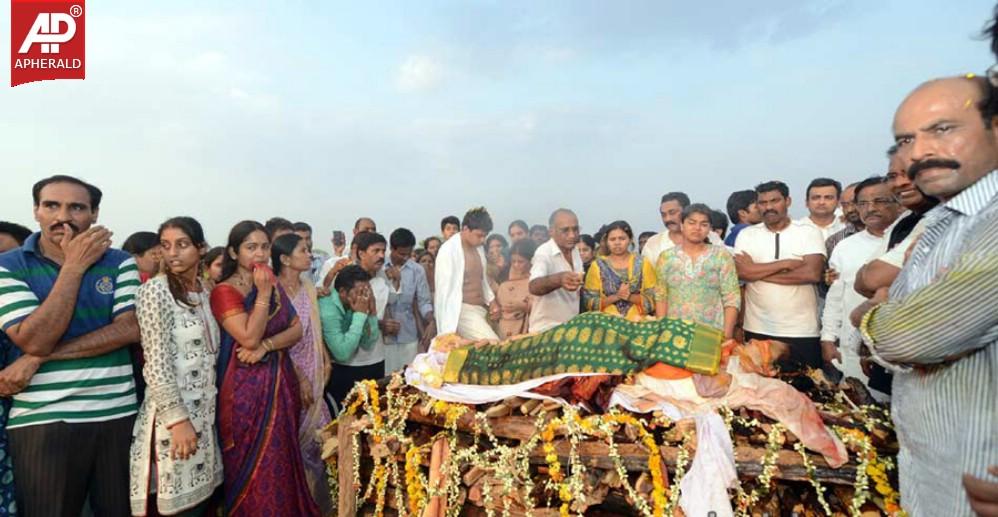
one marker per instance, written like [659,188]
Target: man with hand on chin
[67,303]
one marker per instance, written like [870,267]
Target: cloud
[494,39]
[419,73]
[253,100]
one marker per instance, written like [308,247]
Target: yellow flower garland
[414,486]
[509,464]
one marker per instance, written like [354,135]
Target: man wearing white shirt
[365,362]
[878,209]
[780,261]
[556,274]
[884,268]
[822,197]
[671,210]
[881,270]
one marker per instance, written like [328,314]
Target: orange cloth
[673,373]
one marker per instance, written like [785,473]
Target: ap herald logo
[47,40]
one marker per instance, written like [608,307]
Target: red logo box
[47,40]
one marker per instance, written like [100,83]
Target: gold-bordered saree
[592,342]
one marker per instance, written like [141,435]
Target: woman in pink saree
[291,258]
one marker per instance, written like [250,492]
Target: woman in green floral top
[696,280]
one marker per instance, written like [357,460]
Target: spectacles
[879,202]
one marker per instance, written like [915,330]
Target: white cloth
[882,249]
[473,323]
[826,231]
[774,309]
[559,305]
[655,245]
[326,267]
[429,366]
[895,256]
[704,489]
[398,356]
[448,277]
[847,258]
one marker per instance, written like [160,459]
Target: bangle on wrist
[268,345]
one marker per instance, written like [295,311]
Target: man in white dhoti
[463,301]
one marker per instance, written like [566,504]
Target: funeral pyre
[745,441]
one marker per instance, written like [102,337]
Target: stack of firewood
[800,482]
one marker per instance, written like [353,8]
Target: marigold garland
[508,466]
[415,485]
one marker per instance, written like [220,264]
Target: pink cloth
[307,360]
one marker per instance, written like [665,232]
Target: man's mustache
[58,226]
[932,163]
[768,212]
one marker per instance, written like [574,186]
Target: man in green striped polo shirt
[67,301]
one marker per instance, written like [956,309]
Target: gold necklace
[240,281]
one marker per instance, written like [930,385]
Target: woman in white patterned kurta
[180,345]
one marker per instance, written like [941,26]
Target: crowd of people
[172,378]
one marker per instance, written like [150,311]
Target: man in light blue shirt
[409,298]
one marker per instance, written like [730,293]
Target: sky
[409,111]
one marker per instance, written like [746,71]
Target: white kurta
[180,346]
[847,258]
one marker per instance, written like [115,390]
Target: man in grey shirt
[409,298]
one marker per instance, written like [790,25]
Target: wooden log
[594,454]
[529,406]
[436,504]
[644,484]
[473,475]
[347,506]
[498,410]
[514,402]
[512,427]
[471,510]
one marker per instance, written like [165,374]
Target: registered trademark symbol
[76,11]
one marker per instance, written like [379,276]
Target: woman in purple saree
[259,403]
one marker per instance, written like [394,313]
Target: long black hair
[283,245]
[192,229]
[237,235]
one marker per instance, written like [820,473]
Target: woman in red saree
[259,402]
